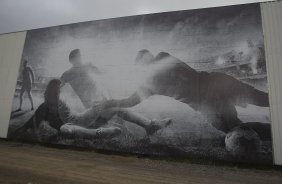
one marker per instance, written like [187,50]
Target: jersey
[82,81]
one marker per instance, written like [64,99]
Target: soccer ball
[242,141]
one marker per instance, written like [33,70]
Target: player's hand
[102,105]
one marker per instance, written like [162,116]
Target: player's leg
[137,97]
[262,129]
[30,97]
[21,98]
[222,116]
[250,95]
[257,97]
[72,130]
[229,118]
[151,126]
[243,93]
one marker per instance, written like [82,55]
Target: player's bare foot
[73,131]
[108,133]
[157,125]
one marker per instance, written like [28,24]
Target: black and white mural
[186,83]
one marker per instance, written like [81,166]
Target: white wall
[272,26]
[11,47]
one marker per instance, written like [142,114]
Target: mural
[186,83]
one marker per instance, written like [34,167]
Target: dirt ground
[31,164]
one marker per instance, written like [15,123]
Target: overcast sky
[21,15]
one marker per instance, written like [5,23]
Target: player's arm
[136,98]
[126,102]
[122,103]
[65,78]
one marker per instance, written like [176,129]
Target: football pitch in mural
[185,83]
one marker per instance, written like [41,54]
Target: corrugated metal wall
[272,27]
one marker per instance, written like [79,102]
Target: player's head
[75,57]
[144,56]
[162,56]
[25,63]
[52,92]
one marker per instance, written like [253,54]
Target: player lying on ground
[87,125]
[214,94]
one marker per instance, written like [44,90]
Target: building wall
[272,27]
[11,46]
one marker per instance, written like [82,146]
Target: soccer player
[213,94]
[81,78]
[27,81]
[56,114]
